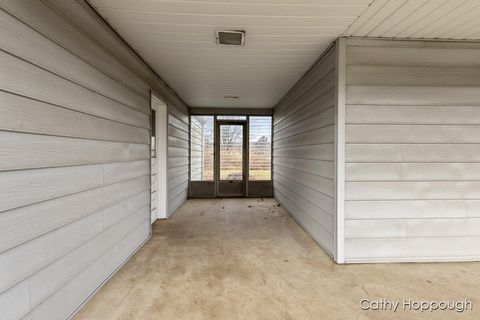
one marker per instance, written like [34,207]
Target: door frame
[161,153]
[253,189]
[245,160]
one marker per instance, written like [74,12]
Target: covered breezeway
[257,159]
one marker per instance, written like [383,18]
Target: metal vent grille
[231,38]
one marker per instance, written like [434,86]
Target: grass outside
[259,175]
[255,175]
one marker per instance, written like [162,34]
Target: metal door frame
[216,155]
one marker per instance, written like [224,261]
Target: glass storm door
[231,159]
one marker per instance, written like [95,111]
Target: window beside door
[260,148]
[202,150]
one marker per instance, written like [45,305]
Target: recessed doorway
[231,156]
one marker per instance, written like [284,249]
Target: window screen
[201,161]
[260,151]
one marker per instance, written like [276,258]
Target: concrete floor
[248,259]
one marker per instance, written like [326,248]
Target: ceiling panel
[283,39]
[420,19]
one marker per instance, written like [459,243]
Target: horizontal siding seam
[307,200]
[417,219]
[73,53]
[38,269]
[411,162]
[110,276]
[304,171]
[304,145]
[171,166]
[74,110]
[72,165]
[358,124]
[179,138]
[311,233]
[412,199]
[98,235]
[310,73]
[307,103]
[178,128]
[74,221]
[292,214]
[74,82]
[309,187]
[304,132]
[304,158]
[305,92]
[76,137]
[412,238]
[322,110]
[466,180]
[73,193]
[414,143]
[373,104]
[172,114]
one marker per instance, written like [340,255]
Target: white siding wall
[197,145]
[413,151]
[178,157]
[304,152]
[74,157]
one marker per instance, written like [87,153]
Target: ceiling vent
[232,98]
[231,37]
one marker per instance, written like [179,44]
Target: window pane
[201,162]
[231,117]
[260,153]
[231,152]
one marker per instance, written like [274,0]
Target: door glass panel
[201,145]
[231,152]
[260,152]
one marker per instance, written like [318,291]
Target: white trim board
[161,155]
[341,52]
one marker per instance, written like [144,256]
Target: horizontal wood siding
[74,155]
[178,158]
[412,151]
[304,152]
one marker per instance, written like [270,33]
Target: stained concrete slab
[248,259]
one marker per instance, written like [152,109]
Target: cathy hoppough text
[416,305]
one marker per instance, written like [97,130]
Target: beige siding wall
[413,151]
[74,156]
[304,152]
